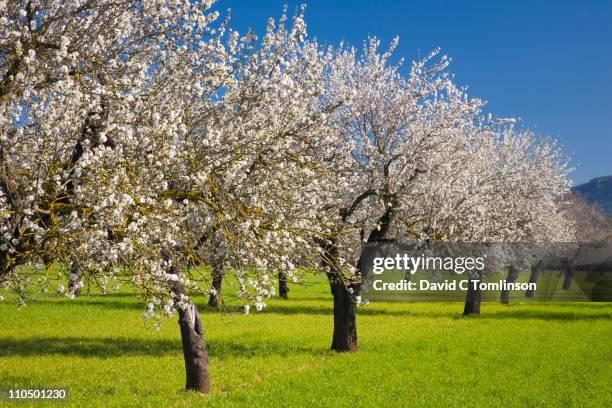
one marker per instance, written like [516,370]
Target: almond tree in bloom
[220,137]
[395,134]
[510,189]
[424,165]
[516,198]
[80,178]
[131,130]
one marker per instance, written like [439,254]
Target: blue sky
[546,62]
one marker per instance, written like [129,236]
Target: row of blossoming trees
[141,141]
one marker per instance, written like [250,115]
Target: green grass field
[411,354]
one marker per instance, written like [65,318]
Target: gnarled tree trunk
[473,297]
[192,338]
[513,274]
[194,350]
[283,289]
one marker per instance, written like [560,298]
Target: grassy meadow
[411,354]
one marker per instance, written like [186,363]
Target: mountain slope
[597,191]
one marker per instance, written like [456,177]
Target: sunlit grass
[411,354]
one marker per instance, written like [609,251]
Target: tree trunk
[473,298]
[533,278]
[567,274]
[567,281]
[192,338]
[218,267]
[283,289]
[74,278]
[346,293]
[513,274]
[214,295]
[194,350]
[377,236]
[345,322]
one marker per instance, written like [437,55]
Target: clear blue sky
[546,62]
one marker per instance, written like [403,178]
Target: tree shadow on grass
[579,313]
[569,312]
[122,301]
[528,310]
[96,301]
[372,310]
[108,347]
[574,305]
[546,315]
[99,347]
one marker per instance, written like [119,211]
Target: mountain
[597,191]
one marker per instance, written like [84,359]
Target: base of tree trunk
[213,300]
[75,278]
[192,339]
[283,289]
[194,351]
[567,280]
[472,300]
[513,274]
[345,322]
[533,278]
